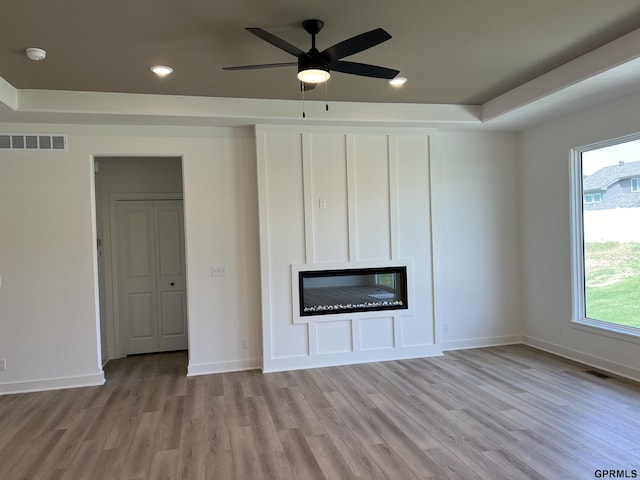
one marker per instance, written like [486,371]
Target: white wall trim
[52,384]
[482,342]
[615,368]
[350,358]
[8,94]
[195,369]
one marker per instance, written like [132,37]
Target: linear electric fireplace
[322,292]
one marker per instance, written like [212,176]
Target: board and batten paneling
[352,198]
[327,176]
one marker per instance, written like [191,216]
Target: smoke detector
[36,54]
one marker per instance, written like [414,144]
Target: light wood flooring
[496,413]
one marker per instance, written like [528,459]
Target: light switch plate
[218,271]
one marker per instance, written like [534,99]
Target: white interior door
[170,275]
[151,276]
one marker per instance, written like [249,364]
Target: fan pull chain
[303,89]
[326,96]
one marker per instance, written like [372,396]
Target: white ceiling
[477,59]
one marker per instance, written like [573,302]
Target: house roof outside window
[605,180]
[607,176]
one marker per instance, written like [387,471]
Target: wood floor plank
[142,447]
[300,408]
[274,465]
[194,399]
[219,465]
[330,459]
[500,413]
[164,465]
[31,461]
[417,434]
[65,449]
[84,460]
[301,458]
[281,414]
[192,459]
[411,454]
[353,418]
[391,464]
[235,405]
[264,431]
[170,423]
[351,448]
[245,458]
[451,466]
[513,466]
[109,464]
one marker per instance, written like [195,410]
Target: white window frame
[579,319]
[637,180]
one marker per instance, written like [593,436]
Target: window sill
[607,329]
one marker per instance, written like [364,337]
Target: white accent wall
[546,234]
[344,199]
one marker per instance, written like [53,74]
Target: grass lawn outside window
[612,282]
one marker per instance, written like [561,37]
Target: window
[606,241]
[592,198]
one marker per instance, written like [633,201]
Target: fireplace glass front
[325,292]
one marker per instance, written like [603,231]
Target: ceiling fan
[314,66]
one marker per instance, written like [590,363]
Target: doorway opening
[141,255]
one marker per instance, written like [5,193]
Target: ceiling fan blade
[363,69]
[357,44]
[263,65]
[276,41]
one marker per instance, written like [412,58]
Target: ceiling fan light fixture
[313,75]
[312,69]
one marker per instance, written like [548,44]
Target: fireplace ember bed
[323,292]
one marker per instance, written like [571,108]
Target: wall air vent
[33,141]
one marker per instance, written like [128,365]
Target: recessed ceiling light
[398,81]
[161,70]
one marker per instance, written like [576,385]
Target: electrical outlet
[243,343]
[3,364]
[218,271]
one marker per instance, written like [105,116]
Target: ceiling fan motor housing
[310,61]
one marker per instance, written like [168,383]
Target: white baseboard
[52,384]
[283,364]
[223,367]
[615,368]
[482,342]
